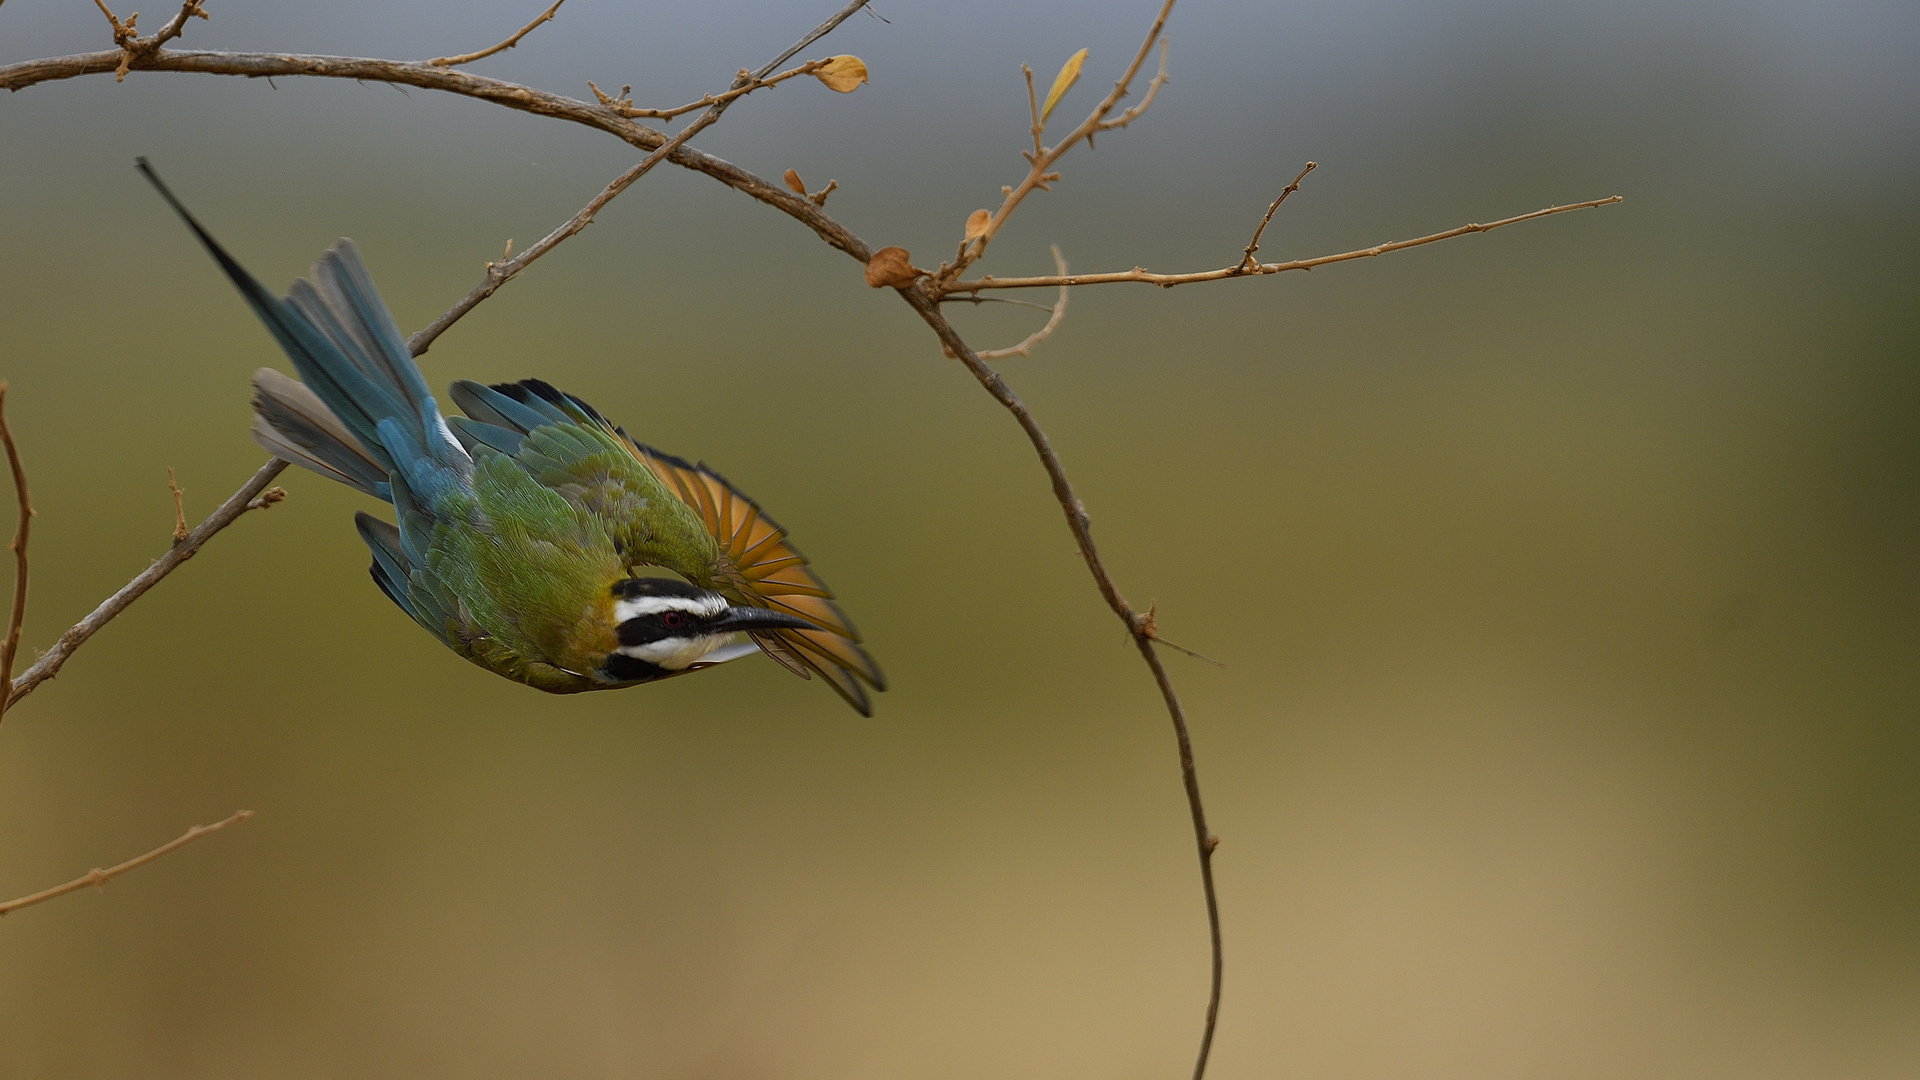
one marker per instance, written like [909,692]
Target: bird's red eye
[670,619]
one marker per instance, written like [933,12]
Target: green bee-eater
[522,525]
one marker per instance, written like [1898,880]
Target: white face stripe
[709,605]
[675,653]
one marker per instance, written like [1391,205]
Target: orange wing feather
[774,574]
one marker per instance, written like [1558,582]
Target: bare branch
[1168,281]
[1138,625]
[1045,332]
[12,645]
[454,81]
[1253,245]
[253,495]
[468,58]
[101,877]
[499,274]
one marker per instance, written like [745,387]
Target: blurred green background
[1564,576]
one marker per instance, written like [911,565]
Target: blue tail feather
[490,406]
[349,352]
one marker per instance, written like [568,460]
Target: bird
[522,529]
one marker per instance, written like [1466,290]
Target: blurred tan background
[1564,576]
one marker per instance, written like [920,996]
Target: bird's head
[665,626]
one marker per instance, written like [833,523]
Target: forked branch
[1040,172]
[500,273]
[1168,281]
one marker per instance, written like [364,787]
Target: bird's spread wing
[542,427]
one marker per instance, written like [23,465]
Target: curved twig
[12,644]
[1059,310]
[1137,624]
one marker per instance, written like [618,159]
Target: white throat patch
[676,653]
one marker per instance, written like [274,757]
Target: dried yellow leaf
[977,223]
[1069,74]
[892,266]
[842,73]
[794,183]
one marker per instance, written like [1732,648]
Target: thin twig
[625,106]
[1247,261]
[1168,281]
[1033,107]
[454,61]
[1045,332]
[1146,101]
[12,645]
[499,274]
[1040,174]
[179,507]
[253,495]
[101,877]
[1137,625]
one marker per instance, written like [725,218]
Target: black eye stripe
[646,629]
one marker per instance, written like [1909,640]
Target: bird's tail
[361,412]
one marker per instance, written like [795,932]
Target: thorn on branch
[1148,627]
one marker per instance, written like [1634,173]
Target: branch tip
[468,58]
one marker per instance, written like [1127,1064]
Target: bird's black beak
[753,618]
